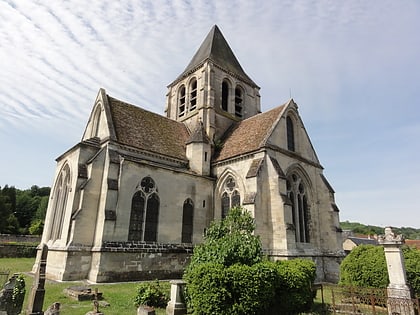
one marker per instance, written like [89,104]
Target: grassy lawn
[119,295]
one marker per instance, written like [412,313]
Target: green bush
[230,241]
[294,293]
[365,266]
[151,294]
[412,266]
[238,289]
[252,288]
[228,275]
[207,289]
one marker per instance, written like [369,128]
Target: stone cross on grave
[399,295]
[36,298]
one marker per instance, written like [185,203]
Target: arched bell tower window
[60,196]
[297,194]
[230,196]
[193,94]
[181,101]
[225,95]
[290,134]
[144,216]
[187,221]
[238,102]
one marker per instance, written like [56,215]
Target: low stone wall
[119,261]
[130,261]
[10,238]
[17,250]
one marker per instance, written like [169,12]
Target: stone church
[132,198]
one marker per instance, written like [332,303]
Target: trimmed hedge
[264,288]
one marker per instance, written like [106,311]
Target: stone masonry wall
[130,261]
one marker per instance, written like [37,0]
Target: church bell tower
[213,89]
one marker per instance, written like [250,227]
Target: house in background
[132,198]
[350,242]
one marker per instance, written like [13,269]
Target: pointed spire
[216,48]
[199,134]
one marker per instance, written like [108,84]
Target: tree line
[359,228]
[23,211]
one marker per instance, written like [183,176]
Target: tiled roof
[145,130]
[249,135]
[413,243]
[363,241]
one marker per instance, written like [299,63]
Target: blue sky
[353,67]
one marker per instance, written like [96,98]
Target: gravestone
[399,294]
[176,306]
[96,310]
[145,310]
[7,305]
[36,298]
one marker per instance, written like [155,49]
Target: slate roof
[145,130]
[216,48]
[363,241]
[250,134]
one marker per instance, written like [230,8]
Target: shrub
[294,293]
[228,275]
[252,288]
[412,266]
[365,266]
[207,289]
[230,241]
[151,294]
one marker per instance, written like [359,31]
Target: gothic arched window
[193,94]
[60,196]
[300,210]
[181,101]
[144,216]
[230,196]
[225,95]
[187,221]
[290,134]
[95,122]
[238,102]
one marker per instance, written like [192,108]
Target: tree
[230,241]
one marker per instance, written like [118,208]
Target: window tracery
[144,216]
[231,196]
[297,194]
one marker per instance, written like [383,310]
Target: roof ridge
[145,110]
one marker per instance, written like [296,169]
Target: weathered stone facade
[133,197]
